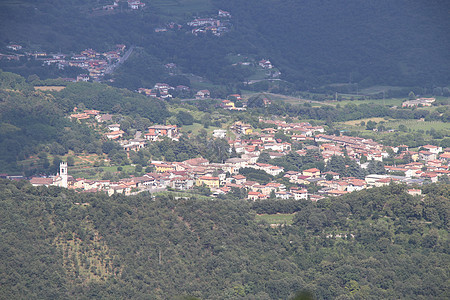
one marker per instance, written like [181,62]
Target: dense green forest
[357,43]
[375,244]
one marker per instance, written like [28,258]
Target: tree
[376,167]
[108,146]
[402,128]
[371,125]
[70,161]
[412,96]
[184,118]
[264,158]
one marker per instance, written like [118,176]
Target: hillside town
[426,165]
[95,64]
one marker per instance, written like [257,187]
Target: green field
[388,102]
[394,124]
[419,125]
[379,89]
[196,127]
[97,172]
[276,218]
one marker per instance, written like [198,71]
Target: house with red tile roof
[312,173]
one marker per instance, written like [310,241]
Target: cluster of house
[265,64]
[213,25]
[13,47]
[154,133]
[132,4]
[222,178]
[93,62]
[164,91]
[231,105]
[427,164]
[419,102]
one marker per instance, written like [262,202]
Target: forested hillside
[33,121]
[313,43]
[374,244]
[370,42]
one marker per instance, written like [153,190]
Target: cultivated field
[49,88]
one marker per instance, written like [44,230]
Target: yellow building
[161,168]
[242,128]
[314,173]
[228,104]
[248,130]
[211,182]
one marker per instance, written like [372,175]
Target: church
[60,179]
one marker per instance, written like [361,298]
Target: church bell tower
[63,173]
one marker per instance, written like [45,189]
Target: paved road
[112,67]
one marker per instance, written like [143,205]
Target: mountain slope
[313,43]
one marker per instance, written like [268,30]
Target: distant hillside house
[83,77]
[237,96]
[203,22]
[314,173]
[103,118]
[14,47]
[145,91]
[224,14]
[111,7]
[82,116]
[113,135]
[155,131]
[219,133]
[417,102]
[211,182]
[202,94]
[415,192]
[135,4]
[433,149]
[227,104]
[242,128]
[265,64]
[114,127]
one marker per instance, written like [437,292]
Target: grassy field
[182,194]
[197,84]
[284,98]
[419,125]
[196,127]
[388,102]
[357,122]
[195,113]
[394,124]
[276,219]
[49,88]
[379,89]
